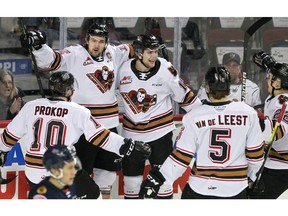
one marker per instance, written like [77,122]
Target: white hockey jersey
[252,96]
[46,122]
[278,156]
[96,79]
[229,145]
[147,99]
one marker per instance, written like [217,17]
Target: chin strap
[59,177]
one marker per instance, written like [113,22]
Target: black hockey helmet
[100,30]
[145,41]
[57,155]
[218,79]
[60,82]
[280,71]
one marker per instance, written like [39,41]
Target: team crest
[139,101]
[88,61]
[102,78]
[126,80]
[42,190]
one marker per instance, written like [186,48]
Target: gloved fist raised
[3,157]
[33,39]
[151,185]
[264,60]
[130,145]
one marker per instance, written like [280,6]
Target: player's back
[223,135]
[226,126]
[46,122]
[52,121]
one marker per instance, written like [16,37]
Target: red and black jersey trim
[181,157]
[279,156]
[221,173]
[256,153]
[104,111]
[8,139]
[56,63]
[34,160]
[101,138]
[155,123]
[189,99]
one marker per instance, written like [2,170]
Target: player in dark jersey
[62,164]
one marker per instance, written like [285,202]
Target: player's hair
[56,156]
[218,80]
[60,82]
[280,71]
[145,41]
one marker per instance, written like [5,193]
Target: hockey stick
[270,142]
[248,34]
[25,32]
[6,181]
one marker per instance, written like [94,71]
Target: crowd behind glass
[193,44]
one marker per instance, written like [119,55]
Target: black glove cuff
[157,175]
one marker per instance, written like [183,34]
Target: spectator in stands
[11,97]
[232,62]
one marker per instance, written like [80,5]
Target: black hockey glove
[3,157]
[151,185]
[264,60]
[129,146]
[253,191]
[33,39]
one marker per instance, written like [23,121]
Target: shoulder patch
[42,189]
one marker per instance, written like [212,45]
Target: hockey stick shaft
[248,34]
[270,142]
[25,32]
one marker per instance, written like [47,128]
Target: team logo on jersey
[139,101]
[126,80]
[88,61]
[42,189]
[102,78]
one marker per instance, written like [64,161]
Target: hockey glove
[151,185]
[264,60]
[253,191]
[261,120]
[33,39]
[3,157]
[129,146]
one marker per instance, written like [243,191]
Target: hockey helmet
[218,79]
[280,71]
[60,82]
[145,41]
[100,30]
[57,155]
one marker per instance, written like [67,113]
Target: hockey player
[148,84]
[232,62]
[227,139]
[275,173]
[88,63]
[49,121]
[62,164]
